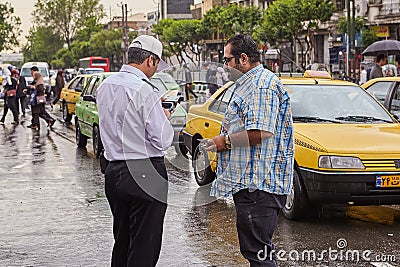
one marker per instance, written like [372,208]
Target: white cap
[150,44]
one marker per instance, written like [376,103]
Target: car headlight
[178,120]
[336,162]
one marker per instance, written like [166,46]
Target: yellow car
[347,145]
[386,90]
[70,94]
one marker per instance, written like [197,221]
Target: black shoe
[15,122]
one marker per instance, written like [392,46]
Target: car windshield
[334,104]
[26,72]
[91,71]
[167,78]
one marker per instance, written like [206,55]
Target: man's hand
[216,144]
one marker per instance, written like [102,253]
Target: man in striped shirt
[256,152]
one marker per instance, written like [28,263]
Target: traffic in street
[54,213]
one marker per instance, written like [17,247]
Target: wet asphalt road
[53,212]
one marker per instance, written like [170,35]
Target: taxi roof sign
[317,74]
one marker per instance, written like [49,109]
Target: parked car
[86,115]
[347,145]
[387,91]
[70,94]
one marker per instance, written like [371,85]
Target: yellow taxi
[386,90]
[347,145]
[70,94]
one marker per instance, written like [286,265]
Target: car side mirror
[89,98]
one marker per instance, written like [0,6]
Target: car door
[89,115]
[74,89]
[83,106]
[93,116]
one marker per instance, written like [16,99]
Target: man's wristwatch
[228,144]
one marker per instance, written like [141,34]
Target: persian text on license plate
[388,181]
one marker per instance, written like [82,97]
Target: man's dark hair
[138,56]
[34,68]
[380,57]
[243,43]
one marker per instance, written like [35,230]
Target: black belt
[151,158]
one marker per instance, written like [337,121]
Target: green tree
[67,17]
[231,20]
[294,22]
[42,44]
[9,27]
[359,24]
[181,38]
[368,37]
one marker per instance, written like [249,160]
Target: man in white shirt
[363,75]
[135,132]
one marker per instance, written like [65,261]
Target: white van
[44,70]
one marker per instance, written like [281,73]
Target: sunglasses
[226,60]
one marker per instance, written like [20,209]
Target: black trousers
[21,101]
[10,103]
[256,219]
[138,212]
[39,111]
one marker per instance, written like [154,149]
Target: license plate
[388,181]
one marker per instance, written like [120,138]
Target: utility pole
[124,28]
[348,36]
[353,38]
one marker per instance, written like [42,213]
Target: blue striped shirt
[259,102]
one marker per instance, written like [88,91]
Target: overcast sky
[24,8]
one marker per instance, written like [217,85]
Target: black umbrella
[388,47]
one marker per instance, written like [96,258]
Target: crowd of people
[19,96]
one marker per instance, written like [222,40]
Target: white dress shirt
[132,122]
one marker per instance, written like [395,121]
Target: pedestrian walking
[222,76]
[256,154]
[376,71]
[21,96]
[135,131]
[58,87]
[38,101]
[363,75]
[10,97]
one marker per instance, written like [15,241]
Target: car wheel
[202,169]
[66,116]
[81,140]
[296,202]
[97,144]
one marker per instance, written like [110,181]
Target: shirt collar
[134,71]
[248,74]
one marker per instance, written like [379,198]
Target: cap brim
[162,65]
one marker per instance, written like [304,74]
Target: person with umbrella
[376,71]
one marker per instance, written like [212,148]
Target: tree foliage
[67,16]
[231,20]
[9,27]
[42,44]
[294,22]
[359,24]
[181,38]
